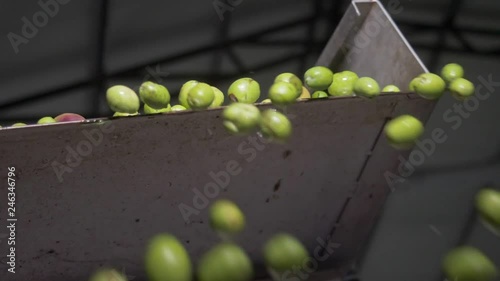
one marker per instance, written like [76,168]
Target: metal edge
[401,35]
[363,247]
[396,28]
[101,120]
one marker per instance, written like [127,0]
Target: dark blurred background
[83,47]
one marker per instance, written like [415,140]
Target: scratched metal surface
[325,184]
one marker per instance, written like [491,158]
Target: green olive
[19,124]
[413,85]
[366,87]
[319,95]
[241,118]
[343,84]
[120,114]
[177,108]
[346,75]
[305,94]
[283,252]
[282,93]
[122,99]
[150,110]
[275,126]
[219,98]
[200,96]
[183,94]
[226,217]
[468,264]
[318,78]
[428,85]
[488,206]
[461,89]
[167,260]
[341,89]
[154,95]
[403,131]
[225,262]
[292,79]
[108,274]
[390,89]
[246,90]
[451,72]
[46,120]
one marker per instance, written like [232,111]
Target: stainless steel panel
[369,43]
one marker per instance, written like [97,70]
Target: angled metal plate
[368,42]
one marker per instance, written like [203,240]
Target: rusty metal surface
[124,180]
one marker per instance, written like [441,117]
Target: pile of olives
[241,116]
[166,259]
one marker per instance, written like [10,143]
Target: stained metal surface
[130,184]
[122,181]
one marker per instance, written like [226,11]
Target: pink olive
[68,117]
